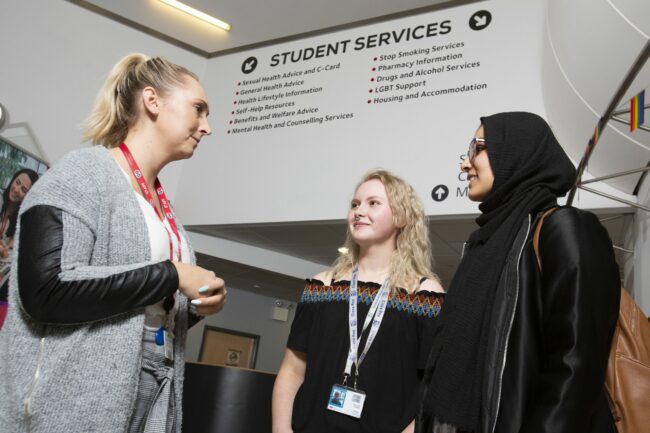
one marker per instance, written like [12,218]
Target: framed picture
[227,347]
[19,170]
[14,158]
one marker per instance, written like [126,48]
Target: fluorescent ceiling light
[343,250]
[198,14]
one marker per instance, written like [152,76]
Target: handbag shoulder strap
[538,230]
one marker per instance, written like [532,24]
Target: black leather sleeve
[193,319]
[46,297]
[580,299]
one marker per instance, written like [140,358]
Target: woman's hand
[206,291]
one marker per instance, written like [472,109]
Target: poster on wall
[19,170]
[295,125]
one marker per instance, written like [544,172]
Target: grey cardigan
[83,377]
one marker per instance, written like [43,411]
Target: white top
[155,315]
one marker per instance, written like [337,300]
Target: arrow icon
[249,65]
[480,20]
[439,192]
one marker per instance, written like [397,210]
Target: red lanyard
[3,227]
[161,196]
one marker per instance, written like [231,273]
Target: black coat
[552,330]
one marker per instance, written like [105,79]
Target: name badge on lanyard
[345,400]
[164,335]
[349,400]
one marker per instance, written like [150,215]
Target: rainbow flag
[636,110]
[596,136]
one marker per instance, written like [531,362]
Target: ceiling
[252,279]
[254,23]
[318,242]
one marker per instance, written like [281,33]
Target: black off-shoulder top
[390,375]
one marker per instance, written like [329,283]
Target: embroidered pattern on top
[418,303]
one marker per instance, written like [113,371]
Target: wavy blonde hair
[412,259]
[116,109]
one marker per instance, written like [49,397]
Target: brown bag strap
[538,230]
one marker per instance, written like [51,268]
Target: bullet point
[232,112]
[239,84]
[372,79]
[235,102]
[231,121]
[370,91]
[229,131]
[375,59]
[237,93]
[369,101]
[374,69]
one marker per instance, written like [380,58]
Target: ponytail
[116,109]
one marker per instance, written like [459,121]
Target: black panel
[226,399]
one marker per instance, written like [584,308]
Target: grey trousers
[155,406]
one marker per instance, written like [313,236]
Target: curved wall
[588,50]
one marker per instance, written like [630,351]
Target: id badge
[169,345]
[348,401]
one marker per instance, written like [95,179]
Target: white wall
[55,57]
[250,313]
[637,268]
[589,47]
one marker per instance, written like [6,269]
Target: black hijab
[530,171]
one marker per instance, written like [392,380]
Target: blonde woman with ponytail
[386,275]
[107,283]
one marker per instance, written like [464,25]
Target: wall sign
[297,124]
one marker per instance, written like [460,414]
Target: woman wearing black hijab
[522,349]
